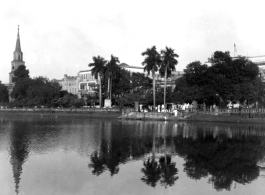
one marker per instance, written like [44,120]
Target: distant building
[132,69]
[159,80]
[87,82]
[82,84]
[70,84]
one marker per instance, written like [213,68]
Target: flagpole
[234,49]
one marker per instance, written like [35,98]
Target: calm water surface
[64,156]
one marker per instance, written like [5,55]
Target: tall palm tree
[111,71]
[169,62]
[151,63]
[98,71]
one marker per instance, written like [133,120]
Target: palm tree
[152,63]
[111,71]
[98,71]
[169,62]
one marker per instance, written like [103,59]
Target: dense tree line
[3,94]
[39,91]
[227,79]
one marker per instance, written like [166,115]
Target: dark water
[93,156]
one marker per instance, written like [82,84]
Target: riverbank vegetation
[224,79]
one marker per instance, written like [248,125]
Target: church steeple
[18,47]
[18,55]
[17,59]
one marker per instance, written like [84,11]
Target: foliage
[98,66]
[169,61]
[98,70]
[20,73]
[152,60]
[20,90]
[111,72]
[131,88]
[226,80]
[3,93]
[121,83]
[35,92]
[151,63]
[168,64]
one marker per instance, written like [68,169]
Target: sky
[61,37]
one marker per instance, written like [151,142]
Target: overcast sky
[61,37]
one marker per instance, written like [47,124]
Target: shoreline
[119,115]
[192,117]
[90,114]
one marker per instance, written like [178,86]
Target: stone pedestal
[107,103]
[136,106]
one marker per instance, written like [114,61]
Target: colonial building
[82,84]
[87,83]
[159,80]
[70,84]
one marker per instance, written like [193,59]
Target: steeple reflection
[19,144]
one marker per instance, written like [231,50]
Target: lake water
[74,156]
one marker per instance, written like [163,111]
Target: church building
[17,61]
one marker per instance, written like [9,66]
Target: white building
[87,82]
[159,80]
[70,84]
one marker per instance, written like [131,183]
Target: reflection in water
[216,154]
[165,171]
[169,171]
[152,172]
[18,150]
[226,154]
[223,154]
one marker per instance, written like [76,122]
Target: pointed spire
[17,31]
[18,47]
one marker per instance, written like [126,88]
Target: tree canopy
[3,93]
[227,79]
[20,73]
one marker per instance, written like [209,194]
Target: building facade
[159,79]
[70,84]
[82,84]
[87,83]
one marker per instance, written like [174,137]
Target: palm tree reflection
[165,171]
[169,171]
[97,164]
[152,172]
